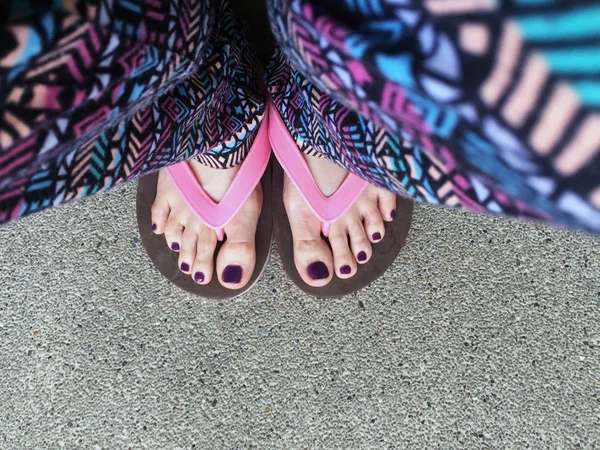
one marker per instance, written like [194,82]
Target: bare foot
[350,237]
[186,233]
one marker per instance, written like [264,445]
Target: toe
[314,261]
[237,256]
[312,256]
[387,204]
[187,253]
[235,263]
[360,245]
[202,268]
[345,264]
[174,233]
[159,214]
[373,224]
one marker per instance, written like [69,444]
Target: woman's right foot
[196,243]
[350,237]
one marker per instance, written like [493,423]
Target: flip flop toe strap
[327,209]
[218,215]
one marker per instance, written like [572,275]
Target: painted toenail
[345,270]
[232,274]
[198,277]
[175,246]
[154,227]
[185,267]
[318,271]
[362,256]
[393,214]
[377,236]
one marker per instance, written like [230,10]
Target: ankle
[215,182]
[328,175]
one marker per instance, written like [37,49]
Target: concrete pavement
[485,334]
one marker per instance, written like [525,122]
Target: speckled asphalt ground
[484,334]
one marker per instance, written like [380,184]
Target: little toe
[159,214]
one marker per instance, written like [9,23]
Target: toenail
[185,267]
[318,271]
[345,270]
[175,246]
[393,214]
[377,236]
[362,256]
[154,227]
[198,277]
[232,274]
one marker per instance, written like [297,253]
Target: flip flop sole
[166,260]
[384,252]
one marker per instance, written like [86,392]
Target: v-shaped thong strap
[218,215]
[327,209]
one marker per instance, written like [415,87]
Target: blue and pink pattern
[486,105]
[489,105]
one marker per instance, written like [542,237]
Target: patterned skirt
[488,106]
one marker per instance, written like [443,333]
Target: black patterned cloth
[491,106]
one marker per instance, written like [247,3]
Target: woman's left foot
[350,237]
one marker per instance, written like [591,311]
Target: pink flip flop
[214,215]
[328,210]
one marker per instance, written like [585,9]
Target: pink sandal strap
[218,215]
[327,209]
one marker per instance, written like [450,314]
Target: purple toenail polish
[393,214]
[377,236]
[175,246]
[362,256]
[154,227]
[232,274]
[318,271]
[345,270]
[198,277]
[185,267]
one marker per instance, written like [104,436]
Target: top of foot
[196,243]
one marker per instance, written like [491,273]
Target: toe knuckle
[202,256]
[156,210]
[363,243]
[245,249]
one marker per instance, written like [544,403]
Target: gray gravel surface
[484,334]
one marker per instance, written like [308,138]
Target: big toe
[235,263]
[314,261]
[312,256]
[237,256]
